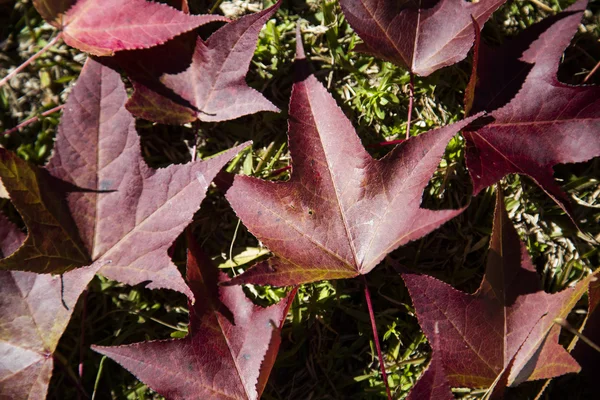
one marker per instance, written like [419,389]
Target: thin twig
[592,72]
[562,322]
[411,97]
[32,120]
[30,60]
[376,338]
[82,337]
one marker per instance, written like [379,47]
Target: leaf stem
[376,337]
[411,98]
[31,59]
[82,337]
[592,72]
[32,120]
[565,324]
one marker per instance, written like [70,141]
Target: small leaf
[212,88]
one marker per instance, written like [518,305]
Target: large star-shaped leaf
[231,346]
[97,200]
[341,211]
[211,88]
[506,327]
[546,122]
[34,312]
[103,27]
[421,35]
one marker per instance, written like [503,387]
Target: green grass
[327,350]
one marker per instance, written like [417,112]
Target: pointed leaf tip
[104,27]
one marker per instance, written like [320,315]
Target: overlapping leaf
[211,88]
[546,123]
[421,35]
[97,200]
[34,312]
[342,211]
[229,352]
[103,27]
[507,323]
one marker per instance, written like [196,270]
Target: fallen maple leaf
[103,27]
[507,323]
[341,211]
[546,123]
[34,312]
[422,36]
[211,88]
[230,349]
[97,200]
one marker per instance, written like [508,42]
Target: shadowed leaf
[546,123]
[507,323]
[586,355]
[34,312]
[231,346]
[53,10]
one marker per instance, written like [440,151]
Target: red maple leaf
[504,332]
[188,79]
[229,351]
[118,211]
[546,122]
[103,27]
[341,211]
[422,36]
